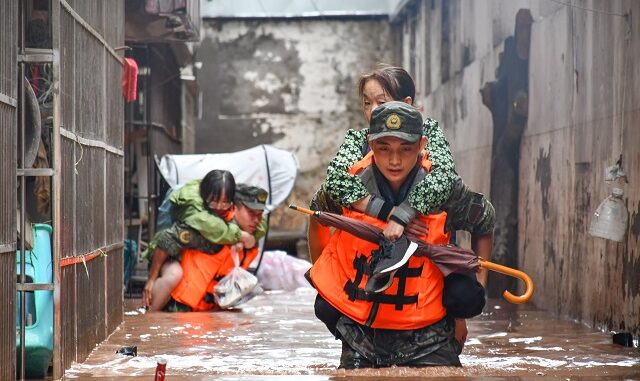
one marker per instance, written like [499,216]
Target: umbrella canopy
[448,258]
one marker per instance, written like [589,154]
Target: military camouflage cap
[251,196]
[397,119]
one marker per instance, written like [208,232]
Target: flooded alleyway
[276,336]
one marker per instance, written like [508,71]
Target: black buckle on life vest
[360,294]
[363,267]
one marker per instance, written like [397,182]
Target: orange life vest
[202,271]
[414,299]
[246,258]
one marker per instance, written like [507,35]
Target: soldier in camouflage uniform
[250,203]
[441,189]
[201,210]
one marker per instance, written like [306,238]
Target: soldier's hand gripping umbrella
[448,258]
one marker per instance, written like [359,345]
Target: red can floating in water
[161,368]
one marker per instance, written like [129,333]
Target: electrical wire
[625,15]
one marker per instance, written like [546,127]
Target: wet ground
[276,337]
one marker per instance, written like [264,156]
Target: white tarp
[248,167]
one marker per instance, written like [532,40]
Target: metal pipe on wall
[22,196]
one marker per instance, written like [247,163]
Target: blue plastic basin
[39,305]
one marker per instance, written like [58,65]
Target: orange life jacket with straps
[202,271]
[414,299]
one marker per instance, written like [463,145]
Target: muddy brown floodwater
[277,337]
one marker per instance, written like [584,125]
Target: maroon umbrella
[448,258]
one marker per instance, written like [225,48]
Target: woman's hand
[247,240]
[147,292]
[393,231]
[417,228]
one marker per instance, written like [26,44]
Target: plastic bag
[281,271]
[236,286]
[257,290]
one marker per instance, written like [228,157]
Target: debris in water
[623,338]
[128,351]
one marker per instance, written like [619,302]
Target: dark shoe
[380,282]
[394,254]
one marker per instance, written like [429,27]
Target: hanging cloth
[130,80]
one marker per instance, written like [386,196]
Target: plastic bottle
[610,218]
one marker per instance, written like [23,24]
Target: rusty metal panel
[89,196]
[114,186]
[99,209]
[113,287]
[8,139]
[92,12]
[8,311]
[67,209]
[8,38]
[114,118]
[114,199]
[67,70]
[7,236]
[89,71]
[90,306]
[68,310]
[8,127]
[114,33]
[91,176]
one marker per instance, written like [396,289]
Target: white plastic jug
[610,218]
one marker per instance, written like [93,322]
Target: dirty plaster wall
[289,83]
[583,113]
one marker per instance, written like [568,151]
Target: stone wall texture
[289,83]
[584,92]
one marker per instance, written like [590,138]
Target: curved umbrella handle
[302,210]
[528,293]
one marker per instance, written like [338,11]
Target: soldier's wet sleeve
[181,236]
[469,211]
[213,228]
[488,220]
[437,186]
[167,241]
[339,184]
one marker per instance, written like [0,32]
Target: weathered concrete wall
[584,97]
[583,113]
[451,60]
[290,83]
